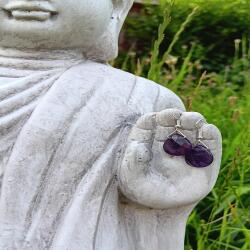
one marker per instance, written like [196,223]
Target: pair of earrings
[197,155]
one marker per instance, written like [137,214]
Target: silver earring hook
[177,120]
[198,125]
[177,126]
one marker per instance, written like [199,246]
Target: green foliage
[215,26]
[156,63]
[222,219]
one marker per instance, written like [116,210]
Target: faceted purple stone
[199,157]
[177,145]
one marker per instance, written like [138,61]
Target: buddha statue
[91,157]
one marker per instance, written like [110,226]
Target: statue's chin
[40,38]
[42,31]
[24,42]
[31,30]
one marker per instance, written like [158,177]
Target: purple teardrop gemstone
[199,157]
[177,145]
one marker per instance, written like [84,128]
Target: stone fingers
[134,168]
[211,136]
[165,123]
[143,129]
[212,139]
[136,159]
[191,120]
[168,117]
[138,152]
[193,126]
[190,123]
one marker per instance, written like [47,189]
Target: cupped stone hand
[151,177]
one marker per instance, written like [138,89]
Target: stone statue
[85,151]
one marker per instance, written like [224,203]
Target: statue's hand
[151,177]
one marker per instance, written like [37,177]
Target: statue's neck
[39,59]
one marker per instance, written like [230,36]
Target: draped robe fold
[59,189]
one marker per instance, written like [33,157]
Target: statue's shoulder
[164,97]
[122,81]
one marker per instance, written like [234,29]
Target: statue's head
[90,25]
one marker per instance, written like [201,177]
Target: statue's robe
[59,188]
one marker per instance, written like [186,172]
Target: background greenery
[203,54]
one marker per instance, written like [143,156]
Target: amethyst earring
[177,144]
[200,155]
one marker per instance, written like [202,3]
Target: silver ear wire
[198,125]
[177,126]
